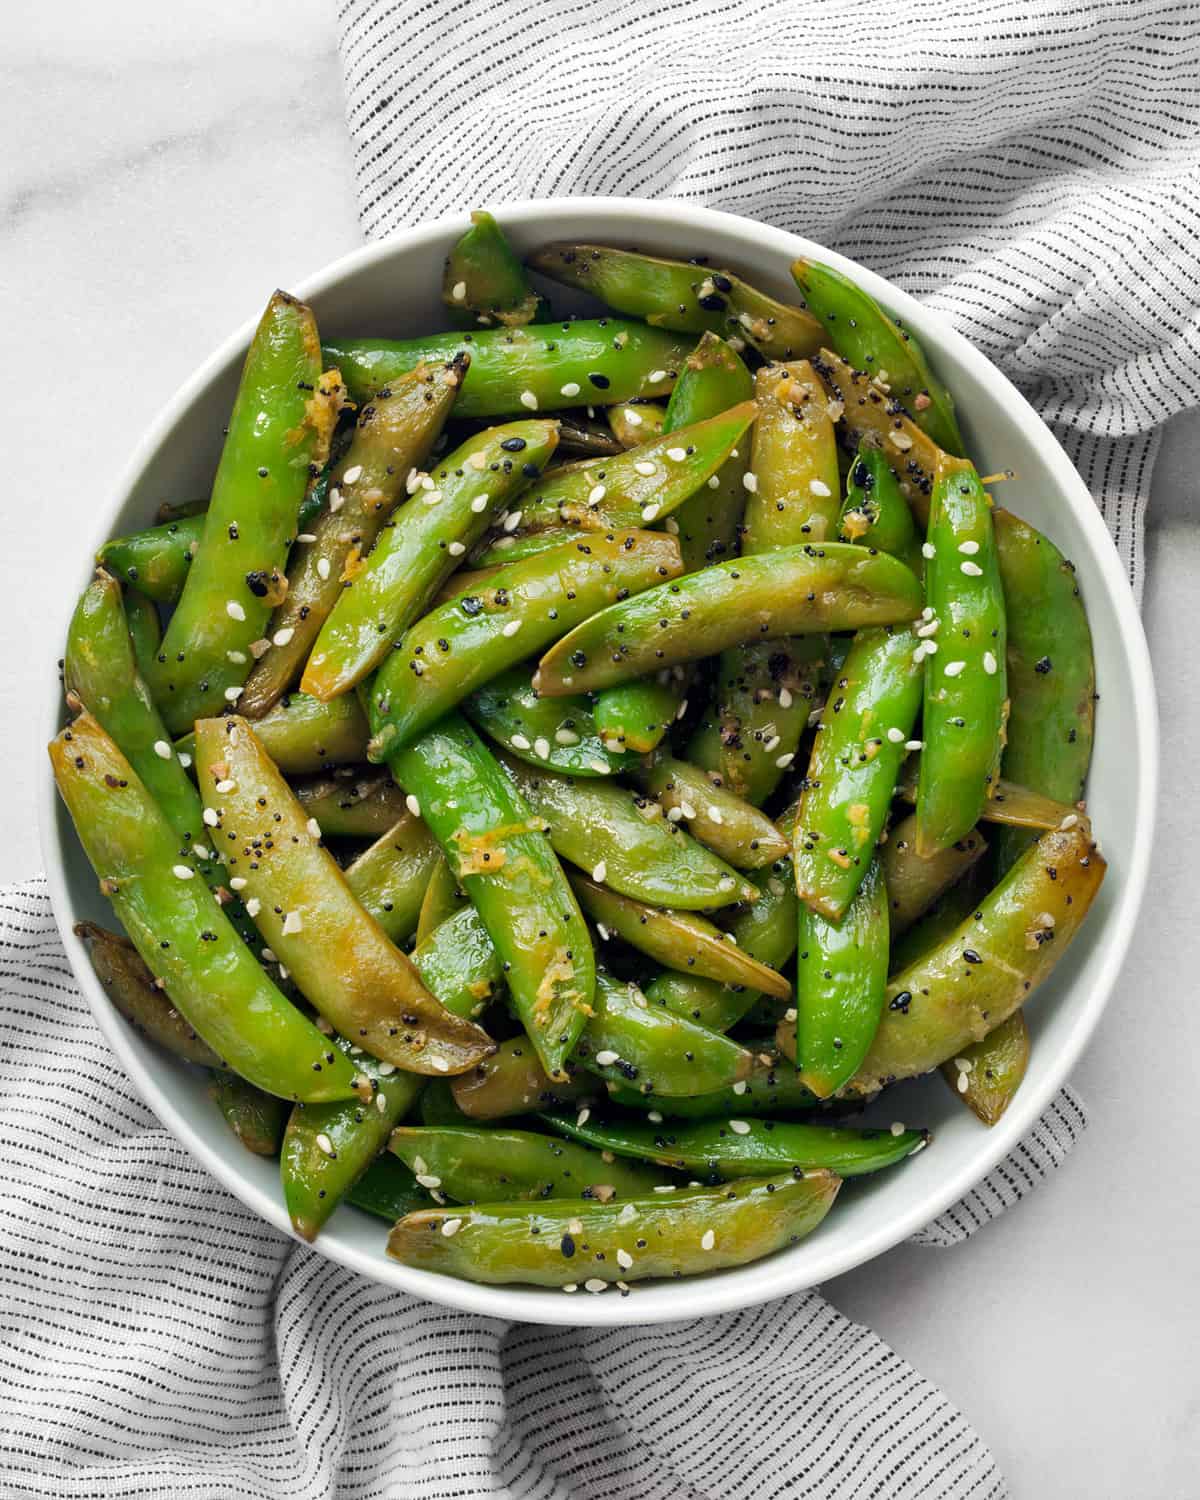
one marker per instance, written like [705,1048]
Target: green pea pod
[336,952]
[512,1082]
[792,591]
[390,877]
[712,380]
[328,1147]
[636,424]
[388,1190]
[730,1149]
[145,629]
[954,904]
[418,548]
[624,841]
[841,976]
[770,1088]
[156,560]
[863,334]
[626,1041]
[636,715]
[443,897]
[283,408]
[516,370]
[913,882]
[459,963]
[965,677]
[719,819]
[352,803]
[557,734]
[765,694]
[257,1119]
[465,643]
[303,735]
[875,513]
[484,276]
[796,483]
[130,986]
[438,1106]
[986,969]
[1009,806]
[1051,673]
[677,940]
[687,1232]
[986,1075]
[471,1165]
[861,741]
[179,929]
[498,848]
[682,295]
[394,435]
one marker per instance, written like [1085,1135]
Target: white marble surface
[161,170]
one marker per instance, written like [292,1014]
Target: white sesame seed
[182,872]
[954,668]
[451,1227]
[353,474]
[714,815]
[232,694]
[674,814]
[664,1187]
[512,520]
[606,1057]
[900,440]
[335,501]
[649,512]
[971,569]
[253,906]
[632,417]
[419,1164]
[185,759]
[459,291]
[162,749]
[314,828]
[914,744]
[478,461]
[963,1064]
[964,1083]
[502,543]
[600,873]
[785,698]
[381,1104]
[234,610]
[603,931]
[511,628]
[413,805]
[269,956]
[601,766]
[429,1180]
[519,742]
[594,1284]
[656,375]
[596,494]
[565,737]
[714,482]
[325,1144]
[210,816]
[628,1214]
[323,567]
[201,852]
[739,1127]
[969,549]
[541,747]
[456,549]
[529,400]
[583,1117]
[784,761]
[645,467]
[677,455]
[897,1128]
[726,883]
[928,550]
[386,1069]
[570,389]
[479,504]
[238,658]
[1069,821]
[895,735]
[927,612]
[292,924]
[238,883]
[224,787]
[571,1286]
[819,487]
[687,809]
[624,1260]
[990,664]
[432,497]
[750,482]
[739,1087]
[258,648]
[930,628]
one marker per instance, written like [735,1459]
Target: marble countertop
[160,176]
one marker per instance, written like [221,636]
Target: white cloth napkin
[1030,169]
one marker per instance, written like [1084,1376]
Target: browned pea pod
[987,1074]
[354,802]
[443,897]
[303,735]
[635,423]
[338,955]
[394,435]
[390,877]
[766,692]
[687,1232]
[913,882]
[513,1082]
[793,482]
[257,1119]
[484,276]
[950,908]
[1010,805]
[717,817]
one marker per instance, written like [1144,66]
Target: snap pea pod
[636,424]
[497,846]
[791,591]
[625,1041]
[465,643]
[863,334]
[950,908]
[770,1088]
[717,817]
[765,693]
[459,964]
[130,986]
[145,629]
[390,877]
[538,367]
[157,559]
[280,425]
[418,548]
[99,669]
[677,940]
[328,1147]
[257,1119]
[636,715]
[625,842]
[484,276]
[512,1082]
[388,1190]
[583,436]
[465,581]
[965,679]
[558,734]
[1009,806]
[470,1165]
[796,487]
[682,295]
[712,380]
[986,969]
[438,1106]
[641,485]
[670,1234]
[443,897]
[868,414]
[355,803]
[915,882]
[1051,673]
[987,1074]
[875,513]
[393,436]
[337,953]
[841,976]
[180,931]
[301,734]
[860,744]
[730,1149]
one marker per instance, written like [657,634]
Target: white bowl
[394,289]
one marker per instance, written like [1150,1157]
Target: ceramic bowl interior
[393,289]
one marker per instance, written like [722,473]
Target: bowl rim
[778,1275]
